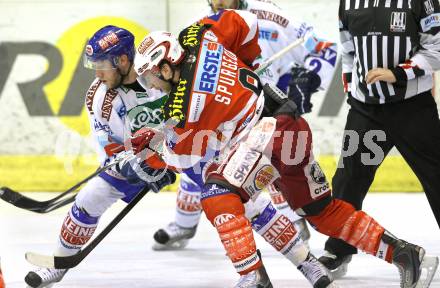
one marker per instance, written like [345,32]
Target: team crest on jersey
[429,6]
[319,186]
[398,22]
[208,69]
[316,173]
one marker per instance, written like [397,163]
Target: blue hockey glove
[137,173]
[301,87]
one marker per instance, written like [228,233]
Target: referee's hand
[380,74]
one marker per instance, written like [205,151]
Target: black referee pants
[413,127]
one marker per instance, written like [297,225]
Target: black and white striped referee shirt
[401,35]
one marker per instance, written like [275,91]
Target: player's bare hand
[380,74]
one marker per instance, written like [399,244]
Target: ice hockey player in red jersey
[244,137]
[312,64]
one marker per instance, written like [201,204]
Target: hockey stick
[19,200]
[68,262]
[278,55]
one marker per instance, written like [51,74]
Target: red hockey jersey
[218,97]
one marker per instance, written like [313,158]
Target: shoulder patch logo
[398,22]
[317,174]
[429,6]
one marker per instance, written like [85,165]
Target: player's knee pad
[340,220]
[78,227]
[219,203]
[278,231]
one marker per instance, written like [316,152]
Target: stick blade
[40,260]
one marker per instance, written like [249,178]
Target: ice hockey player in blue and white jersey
[304,69]
[299,73]
[117,106]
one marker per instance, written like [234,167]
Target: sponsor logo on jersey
[223,218]
[241,169]
[196,107]
[270,35]
[90,95]
[270,16]
[304,28]
[108,40]
[429,7]
[208,69]
[121,110]
[98,126]
[322,189]
[431,21]
[107,104]
[191,37]
[398,22]
[175,109]
[264,177]
[148,114]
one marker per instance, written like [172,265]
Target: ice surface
[125,259]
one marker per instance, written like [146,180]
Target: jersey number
[249,80]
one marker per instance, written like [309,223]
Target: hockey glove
[137,173]
[146,138]
[301,87]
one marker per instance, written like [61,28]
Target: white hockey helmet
[156,47]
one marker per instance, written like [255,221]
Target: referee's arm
[427,59]
[347,55]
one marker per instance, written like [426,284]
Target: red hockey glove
[145,138]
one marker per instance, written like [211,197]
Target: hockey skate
[316,273]
[172,237]
[44,277]
[254,279]
[337,265]
[415,268]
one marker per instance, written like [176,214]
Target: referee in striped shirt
[390,50]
